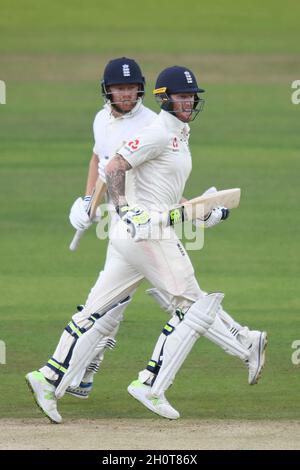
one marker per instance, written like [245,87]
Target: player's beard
[124,109]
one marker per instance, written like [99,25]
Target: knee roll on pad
[106,324]
[198,321]
[201,314]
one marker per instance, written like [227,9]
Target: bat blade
[229,198]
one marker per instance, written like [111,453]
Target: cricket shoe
[161,406]
[44,395]
[82,391]
[256,360]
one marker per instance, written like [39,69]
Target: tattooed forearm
[115,179]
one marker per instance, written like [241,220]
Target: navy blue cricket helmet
[122,71]
[177,80]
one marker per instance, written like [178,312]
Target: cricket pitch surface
[148,434]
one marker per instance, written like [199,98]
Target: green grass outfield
[51,56]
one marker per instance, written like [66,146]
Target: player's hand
[138,221]
[216,216]
[213,218]
[79,217]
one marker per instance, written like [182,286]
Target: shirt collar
[134,110]
[173,123]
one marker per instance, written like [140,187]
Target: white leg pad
[219,334]
[174,321]
[84,349]
[105,343]
[223,332]
[196,322]
[231,323]
[146,375]
[97,359]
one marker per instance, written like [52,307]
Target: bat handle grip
[75,242]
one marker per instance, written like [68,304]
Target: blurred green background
[246,56]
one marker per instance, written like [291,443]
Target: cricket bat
[97,196]
[190,209]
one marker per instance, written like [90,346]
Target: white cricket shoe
[256,360]
[44,395]
[161,406]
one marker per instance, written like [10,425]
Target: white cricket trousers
[164,263]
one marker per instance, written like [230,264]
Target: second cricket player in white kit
[160,163]
[123,114]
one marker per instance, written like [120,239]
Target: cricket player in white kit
[122,116]
[159,161]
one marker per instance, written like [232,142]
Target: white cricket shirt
[161,163]
[110,133]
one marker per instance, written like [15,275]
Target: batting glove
[216,216]
[138,221]
[79,217]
